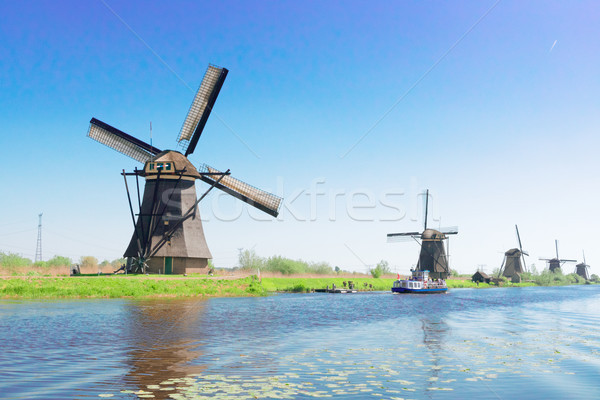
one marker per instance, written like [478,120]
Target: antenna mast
[38,250]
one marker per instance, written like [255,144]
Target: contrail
[553,44]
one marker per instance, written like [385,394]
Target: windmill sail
[402,237]
[449,230]
[201,107]
[120,141]
[264,201]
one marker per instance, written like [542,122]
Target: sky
[348,110]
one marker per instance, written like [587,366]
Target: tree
[59,261]
[533,270]
[381,269]
[88,261]
[337,269]
[595,278]
[248,260]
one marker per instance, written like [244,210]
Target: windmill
[511,265]
[433,256]
[556,262]
[581,269]
[168,236]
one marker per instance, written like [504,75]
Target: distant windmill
[433,256]
[556,262]
[511,265]
[581,269]
[168,234]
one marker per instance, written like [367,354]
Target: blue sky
[493,106]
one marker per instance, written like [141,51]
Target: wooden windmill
[433,256]
[511,265]
[556,263]
[168,236]
[582,269]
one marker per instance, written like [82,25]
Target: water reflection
[503,343]
[435,331]
[164,335]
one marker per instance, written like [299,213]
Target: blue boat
[419,282]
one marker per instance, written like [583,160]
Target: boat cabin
[418,281]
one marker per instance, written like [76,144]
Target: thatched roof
[432,234]
[513,253]
[178,160]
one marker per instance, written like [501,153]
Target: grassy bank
[382,284]
[309,284]
[140,286]
[126,286]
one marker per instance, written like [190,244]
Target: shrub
[89,261]
[299,288]
[319,268]
[381,268]
[14,260]
[285,265]
[59,261]
[248,260]
[118,262]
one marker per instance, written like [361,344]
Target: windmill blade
[264,201]
[120,141]
[565,261]
[402,237]
[519,238]
[449,230]
[426,209]
[525,253]
[201,107]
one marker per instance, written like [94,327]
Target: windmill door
[168,265]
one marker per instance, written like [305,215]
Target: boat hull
[423,291]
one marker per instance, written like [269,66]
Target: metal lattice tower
[38,250]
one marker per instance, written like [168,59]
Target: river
[504,343]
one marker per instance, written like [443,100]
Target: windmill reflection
[164,338]
[435,331]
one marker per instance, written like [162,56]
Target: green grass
[141,286]
[130,286]
[309,284]
[459,284]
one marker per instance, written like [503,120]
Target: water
[496,343]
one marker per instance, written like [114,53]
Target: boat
[419,282]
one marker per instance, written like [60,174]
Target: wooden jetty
[336,290]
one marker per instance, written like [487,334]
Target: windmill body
[582,269]
[433,256]
[186,251]
[168,235]
[513,264]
